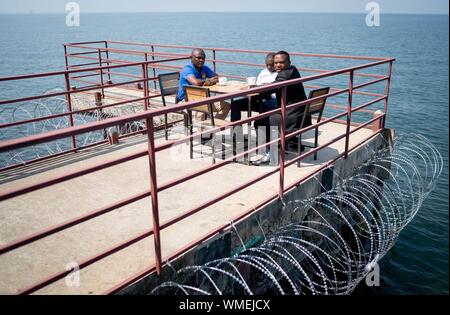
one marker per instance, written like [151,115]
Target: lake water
[419,102]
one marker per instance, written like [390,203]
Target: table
[234,87]
[230,87]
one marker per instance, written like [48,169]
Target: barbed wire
[341,235]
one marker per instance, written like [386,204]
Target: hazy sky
[355,6]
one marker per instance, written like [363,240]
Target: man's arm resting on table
[199,82]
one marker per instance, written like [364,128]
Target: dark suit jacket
[294,94]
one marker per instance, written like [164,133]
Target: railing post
[66,58]
[282,140]
[214,60]
[349,112]
[101,71]
[107,61]
[153,66]
[99,103]
[154,192]
[388,86]
[69,107]
[145,85]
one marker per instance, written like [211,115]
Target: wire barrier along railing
[59,108]
[344,232]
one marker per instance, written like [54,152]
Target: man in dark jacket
[294,93]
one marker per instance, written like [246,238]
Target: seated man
[294,94]
[266,76]
[196,73]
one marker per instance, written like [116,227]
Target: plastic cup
[251,80]
[222,81]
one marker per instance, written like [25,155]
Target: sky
[325,6]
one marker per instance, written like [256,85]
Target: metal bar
[388,85]
[146,94]
[55,277]
[65,225]
[313,172]
[250,51]
[107,61]
[114,50]
[84,89]
[101,73]
[117,61]
[81,53]
[314,126]
[69,109]
[154,70]
[67,151]
[47,74]
[282,141]
[84,64]
[219,198]
[85,43]
[335,106]
[154,192]
[368,123]
[384,78]
[360,108]
[14,192]
[126,75]
[85,76]
[314,150]
[365,140]
[214,60]
[53,135]
[109,73]
[96,86]
[349,112]
[127,101]
[66,60]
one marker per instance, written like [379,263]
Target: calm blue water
[419,102]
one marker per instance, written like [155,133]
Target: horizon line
[273,12]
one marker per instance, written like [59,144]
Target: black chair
[313,108]
[197,93]
[168,85]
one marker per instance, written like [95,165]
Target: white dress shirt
[265,77]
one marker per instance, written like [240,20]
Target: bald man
[197,73]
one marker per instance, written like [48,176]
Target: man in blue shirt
[196,73]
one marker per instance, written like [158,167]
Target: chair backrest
[194,93]
[168,84]
[316,107]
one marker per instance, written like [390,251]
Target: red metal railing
[69,92]
[155,188]
[145,54]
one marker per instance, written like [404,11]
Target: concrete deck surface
[34,211]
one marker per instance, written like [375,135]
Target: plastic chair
[197,93]
[168,85]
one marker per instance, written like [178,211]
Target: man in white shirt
[266,76]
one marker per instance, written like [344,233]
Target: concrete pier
[37,210]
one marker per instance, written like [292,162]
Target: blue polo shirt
[188,71]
